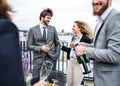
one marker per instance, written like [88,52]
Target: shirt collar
[105,14]
[41,26]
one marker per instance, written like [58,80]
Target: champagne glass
[45,70]
[49,44]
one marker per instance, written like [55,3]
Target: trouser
[74,73]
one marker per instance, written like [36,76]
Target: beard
[102,8]
[46,22]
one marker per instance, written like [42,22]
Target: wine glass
[45,70]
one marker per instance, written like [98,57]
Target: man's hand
[45,48]
[80,49]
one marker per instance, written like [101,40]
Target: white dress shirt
[72,52]
[41,29]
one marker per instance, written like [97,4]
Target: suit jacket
[83,39]
[11,73]
[106,52]
[35,42]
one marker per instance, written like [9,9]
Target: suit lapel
[48,32]
[82,39]
[38,31]
[106,19]
[96,35]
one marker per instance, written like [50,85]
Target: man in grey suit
[43,41]
[106,47]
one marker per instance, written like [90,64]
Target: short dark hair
[46,12]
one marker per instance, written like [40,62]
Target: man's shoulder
[50,26]
[34,27]
[114,14]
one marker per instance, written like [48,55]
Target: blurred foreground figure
[11,73]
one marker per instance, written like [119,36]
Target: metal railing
[62,62]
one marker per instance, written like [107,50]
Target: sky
[65,12]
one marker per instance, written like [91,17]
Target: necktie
[44,34]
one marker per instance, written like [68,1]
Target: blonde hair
[85,28]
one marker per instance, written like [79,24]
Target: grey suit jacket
[106,52]
[35,42]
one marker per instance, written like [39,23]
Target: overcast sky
[65,12]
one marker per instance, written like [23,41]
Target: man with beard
[43,41]
[105,50]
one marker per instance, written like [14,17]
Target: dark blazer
[10,59]
[83,39]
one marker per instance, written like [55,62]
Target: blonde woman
[82,33]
